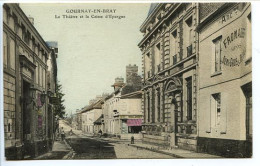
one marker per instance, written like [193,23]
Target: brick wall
[208,8]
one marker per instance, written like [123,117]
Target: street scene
[83,146]
[127,81]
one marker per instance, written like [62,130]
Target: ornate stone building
[25,55]
[170,79]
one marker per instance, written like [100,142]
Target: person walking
[62,134]
[100,133]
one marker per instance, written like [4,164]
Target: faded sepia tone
[189,96]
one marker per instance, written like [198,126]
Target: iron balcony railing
[189,50]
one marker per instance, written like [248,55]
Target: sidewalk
[175,152]
[60,150]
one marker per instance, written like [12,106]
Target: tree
[59,108]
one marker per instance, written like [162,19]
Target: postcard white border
[152,162]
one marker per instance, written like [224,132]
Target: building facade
[225,76]
[25,56]
[122,114]
[170,75]
[52,71]
[90,114]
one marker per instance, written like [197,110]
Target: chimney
[119,82]
[130,70]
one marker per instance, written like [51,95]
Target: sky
[92,51]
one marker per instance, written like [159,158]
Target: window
[36,50]
[43,80]
[217,54]
[249,128]
[189,36]
[157,58]
[174,59]
[36,73]
[189,98]
[147,65]
[40,75]
[217,107]
[5,49]
[12,54]
[158,104]
[40,54]
[174,46]
[11,23]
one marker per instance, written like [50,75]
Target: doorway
[26,117]
[247,89]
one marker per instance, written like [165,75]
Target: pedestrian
[62,134]
[132,140]
[100,133]
[71,132]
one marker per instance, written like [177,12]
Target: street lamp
[43,97]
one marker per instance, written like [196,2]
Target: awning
[134,122]
[98,121]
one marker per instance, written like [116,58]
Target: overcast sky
[92,51]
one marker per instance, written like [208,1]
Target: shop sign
[231,15]
[234,48]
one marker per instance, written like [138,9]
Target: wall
[88,119]
[234,73]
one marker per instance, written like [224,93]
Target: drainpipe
[197,69]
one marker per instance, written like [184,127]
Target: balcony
[189,50]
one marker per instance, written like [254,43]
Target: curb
[71,153]
[157,151]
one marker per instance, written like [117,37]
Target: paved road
[96,148]
[90,148]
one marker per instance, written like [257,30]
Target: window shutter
[223,116]
[208,116]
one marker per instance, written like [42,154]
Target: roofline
[147,20]
[34,30]
[146,37]
[212,15]
[131,94]
[92,106]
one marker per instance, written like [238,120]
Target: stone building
[91,114]
[225,76]
[122,114]
[170,75]
[51,90]
[25,56]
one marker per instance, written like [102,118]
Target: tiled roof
[152,7]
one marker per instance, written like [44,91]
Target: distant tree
[59,109]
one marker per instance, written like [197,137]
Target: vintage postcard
[127,81]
